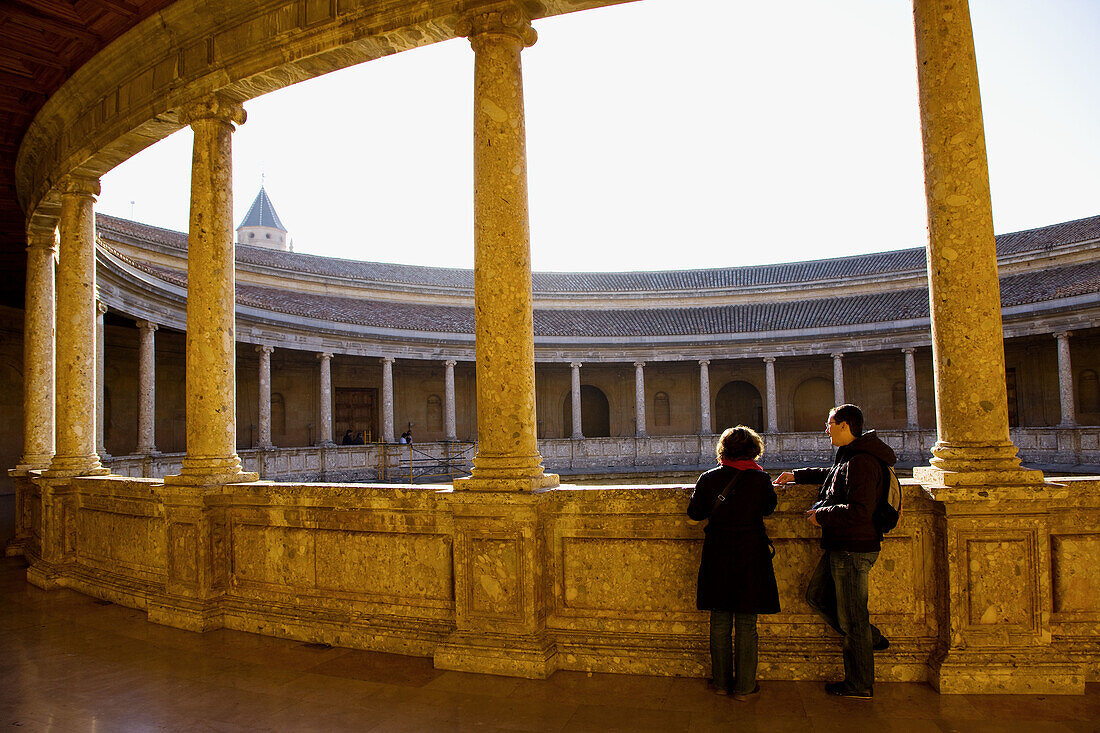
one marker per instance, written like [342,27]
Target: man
[850,490]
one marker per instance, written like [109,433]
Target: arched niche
[813,399]
[595,413]
[738,403]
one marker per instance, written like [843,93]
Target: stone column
[75,361]
[38,350]
[911,416]
[449,429]
[100,380]
[772,402]
[964,293]
[1065,381]
[211,404]
[326,398]
[639,399]
[705,427]
[507,456]
[838,379]
[147,387]
[575,396]
[264,439]
[387,399]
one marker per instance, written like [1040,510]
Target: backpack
[888,510]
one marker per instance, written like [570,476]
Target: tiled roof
[549,283]
[1021,289]
[262,214]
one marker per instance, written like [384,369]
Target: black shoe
[716,689]
[841,689]
[742,696]
[881,644]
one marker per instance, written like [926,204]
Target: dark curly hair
[738,443]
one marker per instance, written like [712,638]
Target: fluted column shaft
[264,403]
[75,360]
[912,419]
[639,399]
[964,292]
[704,398]
[147,394]
[507,456]
[38,351]
[387,399]
[211,335]
[769,388]
[838,379]
[1065,381]
[326,397]
[575,396]
[449,429]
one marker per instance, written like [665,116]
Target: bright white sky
[664,134]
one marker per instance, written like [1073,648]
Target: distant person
[358,439]
[404,438]
[348,438]
[850,491]
[736,579]
[409,437]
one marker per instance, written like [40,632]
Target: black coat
[735,573]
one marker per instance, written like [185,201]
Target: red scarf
[741,464]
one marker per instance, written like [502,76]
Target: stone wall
[596,579]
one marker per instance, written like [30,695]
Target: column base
[534,657]
[71,466]
[1035,671]
[44,575]
[31,463]
[507,473]
[956,463]
[211,472]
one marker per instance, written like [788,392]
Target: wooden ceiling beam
[26,55]
[34,18]
[116,6]
[14,81]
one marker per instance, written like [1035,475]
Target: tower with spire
[261,226]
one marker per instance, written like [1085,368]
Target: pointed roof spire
[262,213]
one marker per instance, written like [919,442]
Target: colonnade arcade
[500,620]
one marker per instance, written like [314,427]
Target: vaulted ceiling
[42,42]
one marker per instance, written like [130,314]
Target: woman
[736,580]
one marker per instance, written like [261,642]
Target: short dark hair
[739,442]
[848,414]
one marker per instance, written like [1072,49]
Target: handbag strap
[726,491]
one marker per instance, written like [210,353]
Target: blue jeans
[733,662]
[838,591]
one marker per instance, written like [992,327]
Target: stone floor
[70,663]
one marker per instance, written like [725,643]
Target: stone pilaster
[507,456]
[38,351]
[639,399]
[75,362]
[772,401]
[996,516]
[100,378]
[704,398]
[147,387]
[211,336]
[264,402]
[387,399]
[838,379]
[575,397]
[1065,381]
[325,359]
[450,431]
[912,419]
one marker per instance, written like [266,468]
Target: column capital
[214,107]
[1060,335]
[73,185]
[508,19]
[263,349]
[101,307]
[324,355]
[575,364]
[147,326]
[450,362]
[908,350]
[769,359]
[837,355]
[639,364]
[387,359]
[704,362]
[41,238]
